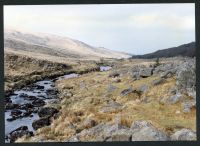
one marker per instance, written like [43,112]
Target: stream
[22,106]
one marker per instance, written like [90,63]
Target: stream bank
[25,109]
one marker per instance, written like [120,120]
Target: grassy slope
[91,94]
[21,69]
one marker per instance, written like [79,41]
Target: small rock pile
[139,131]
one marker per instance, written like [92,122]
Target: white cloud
[111,26]
[159,20]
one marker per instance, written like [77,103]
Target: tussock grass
[90,94]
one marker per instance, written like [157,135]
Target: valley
[86,95]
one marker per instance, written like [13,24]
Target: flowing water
[39,90]
[19,99]
[105,68]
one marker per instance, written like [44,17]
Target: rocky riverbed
[26,111]
[29,108]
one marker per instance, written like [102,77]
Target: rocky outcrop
[165,69]
[136,76]
[47,111]
[88,123]
[41,123]
[19,132]
[45,114]
[111,107]
[158,81]
[126,91]
[146,72]
[188,105]
[168,73]
[191,93]
[139,131]
[178,97]
[186,75]
[175,98]
[120,135]
[145,131]
[106,132]
[184,134]
[134,72]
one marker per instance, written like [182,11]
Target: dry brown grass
[89,99]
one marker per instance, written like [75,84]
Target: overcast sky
[132,28]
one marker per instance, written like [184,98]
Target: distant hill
[183,50]
[48,44]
